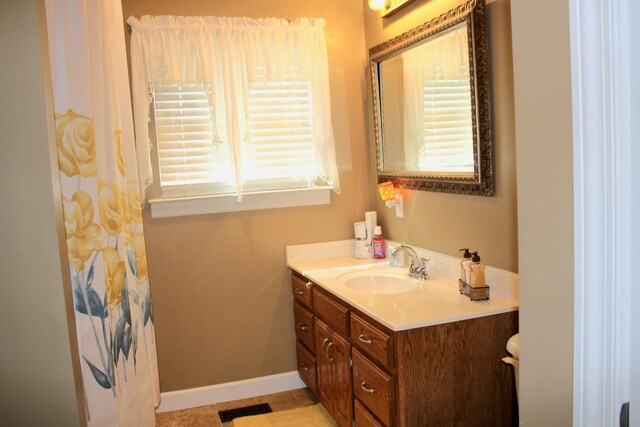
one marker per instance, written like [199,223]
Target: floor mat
[308,416]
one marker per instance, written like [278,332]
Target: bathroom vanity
[421,356]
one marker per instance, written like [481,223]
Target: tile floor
[208,415]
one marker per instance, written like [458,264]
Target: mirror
[432,114]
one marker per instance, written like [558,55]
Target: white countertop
[432,302]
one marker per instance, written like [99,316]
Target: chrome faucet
[418,266]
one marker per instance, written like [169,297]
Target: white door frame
[606,135]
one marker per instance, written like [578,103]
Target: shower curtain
[102,211]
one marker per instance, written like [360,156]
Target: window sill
[198,205]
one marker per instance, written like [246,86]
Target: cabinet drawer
[332,312]
[372,387]
[307,367]
[363,417]
[371,340]
[303,320]
[301,289]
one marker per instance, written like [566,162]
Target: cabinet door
[334,374]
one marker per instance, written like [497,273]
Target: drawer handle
[364,387]
[298,291]
[324,342]
[365,340]
[302,367]
[331,359]
[308,285]
[301,326]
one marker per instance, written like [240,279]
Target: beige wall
[36,376]
[222,299]
[545,209]
[446,222]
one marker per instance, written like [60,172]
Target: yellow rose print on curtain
[141,256]
[135,205]
[114,269]
[83,236]
[76,145]
[119,152]
[110,200]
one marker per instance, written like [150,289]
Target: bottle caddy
[472,282]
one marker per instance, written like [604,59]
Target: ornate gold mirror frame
[476,178]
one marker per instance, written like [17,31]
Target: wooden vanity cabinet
[442,375]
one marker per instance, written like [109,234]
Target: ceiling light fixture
[377,4]
[388,7]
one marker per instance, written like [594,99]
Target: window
[241,106]
[280,151]
[191,159]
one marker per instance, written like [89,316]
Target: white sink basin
[378,282]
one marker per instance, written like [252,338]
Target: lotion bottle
[464,265]
[477,276]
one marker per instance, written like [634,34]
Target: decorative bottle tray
[480,293]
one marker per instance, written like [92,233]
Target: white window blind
[191,158]
[280,150]
[447,126]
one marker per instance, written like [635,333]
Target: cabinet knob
[364,387]
[363,339]
[302,367]
[301,326]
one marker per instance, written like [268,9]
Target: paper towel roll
[370,220]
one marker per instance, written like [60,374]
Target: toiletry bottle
[464,265]
[361,248]
[476,277]
[379,251]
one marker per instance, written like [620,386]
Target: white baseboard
[201,396]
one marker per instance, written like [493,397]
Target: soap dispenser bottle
[379,249]
[464,265]
[477,276]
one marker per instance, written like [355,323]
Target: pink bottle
[379,247]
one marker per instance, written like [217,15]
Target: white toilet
[513,347]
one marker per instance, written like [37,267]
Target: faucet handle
[422,269]
[415,270]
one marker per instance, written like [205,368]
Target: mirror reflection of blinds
[447,126]
[185,135]
[280,145]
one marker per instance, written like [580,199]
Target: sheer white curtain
[229,55]
[438,66]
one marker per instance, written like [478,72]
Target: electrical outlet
[399,206]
